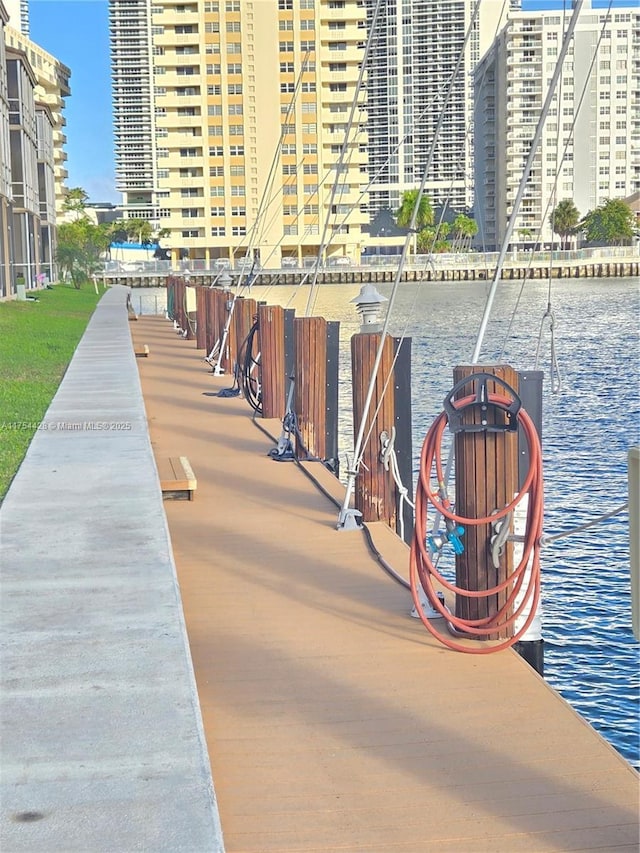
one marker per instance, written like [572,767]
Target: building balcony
[350,13]
[170,39]
[187,100]
[173,80]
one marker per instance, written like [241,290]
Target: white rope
[547,540]
[389,459]
[535,142]
[341,159]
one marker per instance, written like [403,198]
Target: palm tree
[423,215]
[140,229]
[404,214]
[464,230]
[564,220]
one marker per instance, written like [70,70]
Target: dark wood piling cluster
[294,363]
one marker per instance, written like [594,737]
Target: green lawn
[37,341]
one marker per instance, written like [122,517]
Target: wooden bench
[177,479]
[142,352]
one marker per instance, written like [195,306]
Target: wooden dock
[333,721]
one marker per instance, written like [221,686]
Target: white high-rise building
[590,146]
[418,48]
[33,88]
[230,122]
[18,14]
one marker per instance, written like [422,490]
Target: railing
[444,260]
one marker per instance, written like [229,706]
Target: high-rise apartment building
[33,85]
[234,126]
[419,49]
[590,145]
[52,89]
[18,12]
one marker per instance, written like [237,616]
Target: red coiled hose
[422,569]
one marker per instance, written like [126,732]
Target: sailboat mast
[525,177]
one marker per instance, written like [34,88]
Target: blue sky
[77,32]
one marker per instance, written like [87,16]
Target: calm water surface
[591,657]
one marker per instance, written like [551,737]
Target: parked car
[289,262]
[340,261]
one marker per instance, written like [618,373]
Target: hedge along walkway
[102,746]
[37,342]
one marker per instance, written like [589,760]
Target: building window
[218,231]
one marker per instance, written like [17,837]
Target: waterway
[591,657]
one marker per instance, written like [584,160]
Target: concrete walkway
[102,740]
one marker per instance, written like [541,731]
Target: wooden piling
[376,493]
[276,324]
[201,318]
[244,316]
[316,389]
[486,479]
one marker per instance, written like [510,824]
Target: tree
[464,230]
[75,201]
[609,224]
[404,214]
[564,220]
[80,247]
[140,229]
[431,239]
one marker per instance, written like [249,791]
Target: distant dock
[475,269]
